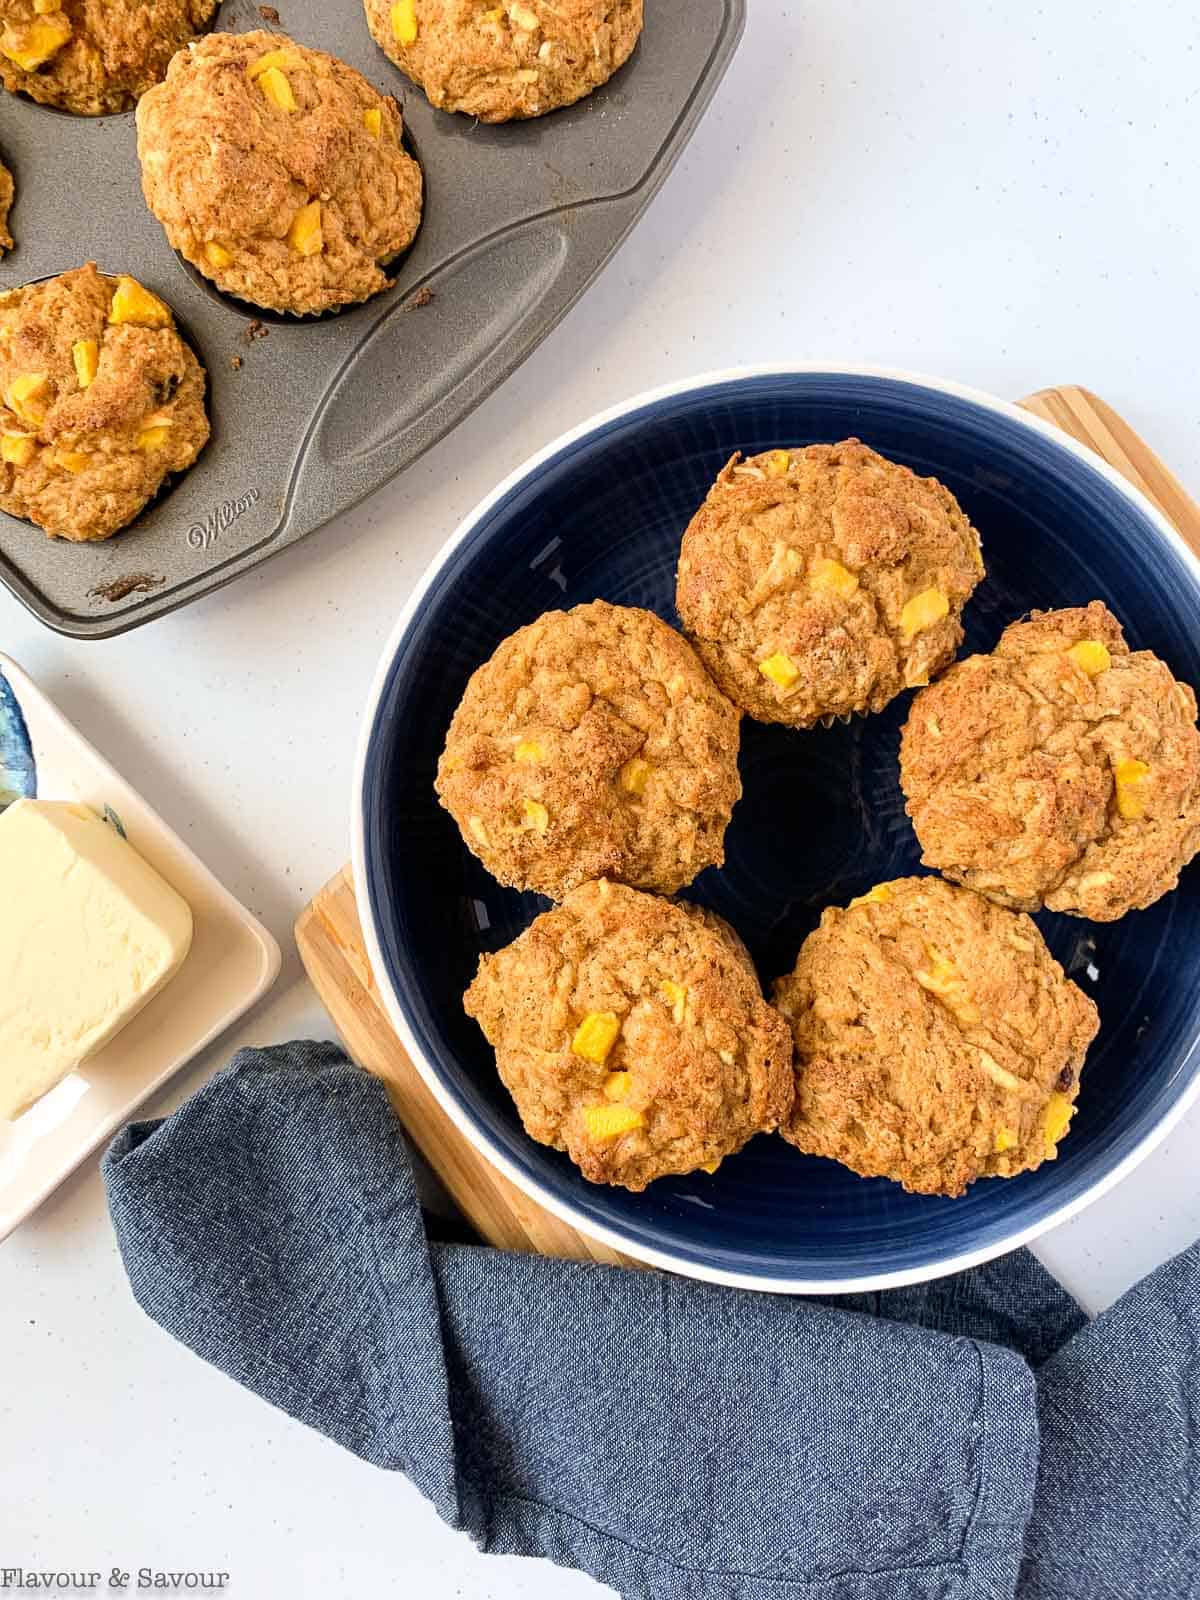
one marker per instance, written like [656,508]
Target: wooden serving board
[331,944]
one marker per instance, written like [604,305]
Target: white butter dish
[231,963]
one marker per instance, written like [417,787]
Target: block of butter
[89,933]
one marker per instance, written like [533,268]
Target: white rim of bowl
[462,1121]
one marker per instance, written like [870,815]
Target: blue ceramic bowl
[600,514]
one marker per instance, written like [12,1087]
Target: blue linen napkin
[676,1440]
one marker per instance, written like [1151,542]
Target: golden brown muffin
[93,56]
[819,582]
[592,744]
[6,200]
[517,59]
[631,1032]
[102,400]
[937,1039]
[1061,770]
[278,172]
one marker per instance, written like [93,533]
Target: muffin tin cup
[311,414]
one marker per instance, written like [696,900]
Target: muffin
[6,200]
[1062,770]
[937,1040]
[93,56]
[500,62]
[631,1032]
[278,172]
[819,582]
[592,744]
[102,400]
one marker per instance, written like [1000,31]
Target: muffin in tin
[1061,770]
[592,744]
[278,172]
[937,1039]
[823,581]
[102,400]
[501,62]
[632,1033]
[93,56]
[7,191]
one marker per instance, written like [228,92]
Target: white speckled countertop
[1004,195]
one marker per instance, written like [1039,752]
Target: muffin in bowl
[632,1033]
[1062,770]
[820,582]
[592,744]
[937,1039]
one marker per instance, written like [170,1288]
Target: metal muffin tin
[311,415]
